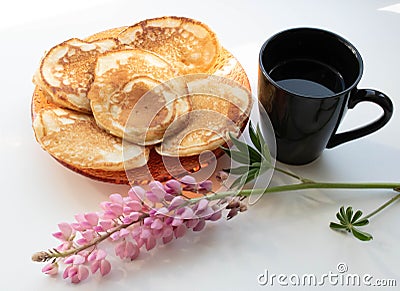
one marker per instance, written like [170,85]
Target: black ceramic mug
[306,82]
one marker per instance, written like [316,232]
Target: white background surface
[284,233]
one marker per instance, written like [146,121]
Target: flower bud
[50,269]
[222,176]
[232,213]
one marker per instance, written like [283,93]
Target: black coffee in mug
[307,81]
[308,77]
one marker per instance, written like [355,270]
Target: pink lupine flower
[180,230]
[105,205]
[117,209]
[50,269]
[168,239]
[104,267]
[137,193]
[167,231]
[216,215]
[205,212]
[191,223]
[160,211]
[148,221]
[176,221]
[92,218]
[133,206]
[176,202]
[77,273]
[201,205]
[200,225]
[132,226]
[189,182]
[132,217]
[185,212]
[145,233]
[85,221]
[173,187]
[157,224]
[116,199]
[105,225]
[150,243]
[99,262]
[124,233]
[75,260]
[65,233]
[115,236]
[157,192]
[127,250]
[96,255]
[205,186]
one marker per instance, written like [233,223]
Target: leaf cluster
[349,221]
[255,159]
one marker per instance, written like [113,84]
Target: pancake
[75,139]
[189,45]
[119,92]
[66,71]
[219,105]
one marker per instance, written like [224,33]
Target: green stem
[301,186]
[383,206]
[289,174]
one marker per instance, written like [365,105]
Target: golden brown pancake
[66,71]
[75,138]
[189,45]
[219,105]
[128,85]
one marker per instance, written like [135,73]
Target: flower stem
[383,206]
[320,185]
[289,173]
[301,186]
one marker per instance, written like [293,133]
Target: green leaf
[253,173]
[340,218]
[337,226]
[265,166]
[245,148]
[240,182]
[361,222]
[361,235]
[239,144]
[258,133]
[253,136]
[255,165]
[343,214]
[239,157]
[356,216]
[349,213]
[245,178]
[263,145]
[226,150]
[265,152]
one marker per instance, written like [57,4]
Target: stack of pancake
[122,100]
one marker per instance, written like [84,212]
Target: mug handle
[362,95]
